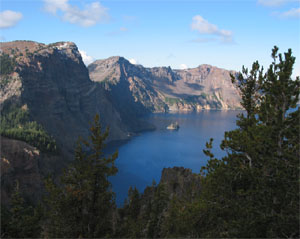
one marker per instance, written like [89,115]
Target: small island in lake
[173,126]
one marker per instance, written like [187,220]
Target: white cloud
[86,58]
[92,13]
[204,27]
[183,66]
[9,18]
[133,61]
[294,12]
[52,6]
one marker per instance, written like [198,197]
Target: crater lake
[142,159]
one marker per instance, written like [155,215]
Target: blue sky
[180,34]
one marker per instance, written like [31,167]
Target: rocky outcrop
[180,182]
[22,163]
[177,182]
[161,89]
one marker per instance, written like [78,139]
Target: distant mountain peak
[206,66]
[112,60]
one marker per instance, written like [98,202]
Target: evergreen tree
[181,219]
[20,220]
[254,190]
[130,223]
[156,212]
[82,206]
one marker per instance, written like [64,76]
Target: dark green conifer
[254,190]
[82,206]
[21,220]
[130,224]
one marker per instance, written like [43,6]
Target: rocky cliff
[26,164]
[177,182]
[53,84]
[161,89]
[204,87]
[127,84]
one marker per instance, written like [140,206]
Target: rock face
[23,163]
[161,89]
[207,87]
[53,82]
[127,84]
[177,181]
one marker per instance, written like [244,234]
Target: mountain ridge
[162,89]
[54,75]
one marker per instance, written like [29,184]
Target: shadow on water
[142,158]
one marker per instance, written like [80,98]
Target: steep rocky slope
[127,84]
[204,87]
[53,84]
[161,89]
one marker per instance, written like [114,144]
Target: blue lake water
[142,159]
